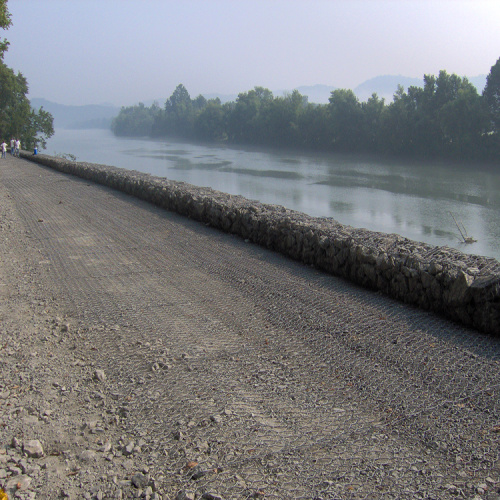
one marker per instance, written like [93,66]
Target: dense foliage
[17,118]
[444,118]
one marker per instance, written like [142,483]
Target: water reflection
[421,187]
[412,199]
[276,174]
[341,206]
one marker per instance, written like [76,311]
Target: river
[413,199]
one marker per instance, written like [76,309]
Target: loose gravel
[147,356]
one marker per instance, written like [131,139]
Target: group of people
[15,146]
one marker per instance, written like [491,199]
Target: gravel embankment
[145,355]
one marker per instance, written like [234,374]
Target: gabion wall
[465,288]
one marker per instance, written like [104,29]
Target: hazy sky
[126,51]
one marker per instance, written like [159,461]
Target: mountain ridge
[101,115]
[77,116]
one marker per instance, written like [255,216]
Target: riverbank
[146,355]
[412,199]
[465,288]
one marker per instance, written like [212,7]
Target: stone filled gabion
[465,288]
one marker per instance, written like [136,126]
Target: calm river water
[414,200]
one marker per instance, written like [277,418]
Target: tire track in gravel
[277,377]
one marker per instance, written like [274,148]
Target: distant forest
[447,118]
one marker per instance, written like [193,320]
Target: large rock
[33,448]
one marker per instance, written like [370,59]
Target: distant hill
[385,86]
[318,94]
[78,117]
[100,115]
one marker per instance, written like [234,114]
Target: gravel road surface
[145,355]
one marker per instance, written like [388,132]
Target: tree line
[17,118]
[447,117]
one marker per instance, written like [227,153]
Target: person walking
[12,146]
[4,149]
[18,147]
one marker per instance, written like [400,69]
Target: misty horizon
[381,85]
[141,51]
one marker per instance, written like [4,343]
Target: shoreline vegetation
[446,119]
[18,119]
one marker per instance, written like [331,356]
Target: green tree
[444,118]
[279,119]
[397,122]
[346,120]
[135,121]
[373,110]
[450,117]
[17,118]
[179,113]
[422,105]
[5,23]
[491,95]
[491,100]
[463,122]
[244,120]
[211,122]
[199,103]
[313,127]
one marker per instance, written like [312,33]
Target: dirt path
[153,356]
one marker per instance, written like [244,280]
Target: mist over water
[415,200]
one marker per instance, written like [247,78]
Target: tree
[17,118]
[397,124]
[372,118]
[346,120]
[199,103]
[179,115]
[451,118]
[244,120]
[444,118]
[5,22]
[491,100]
[279,118]
[210,124]
[313,126]
[135,121]
[463,122]
[491,95]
